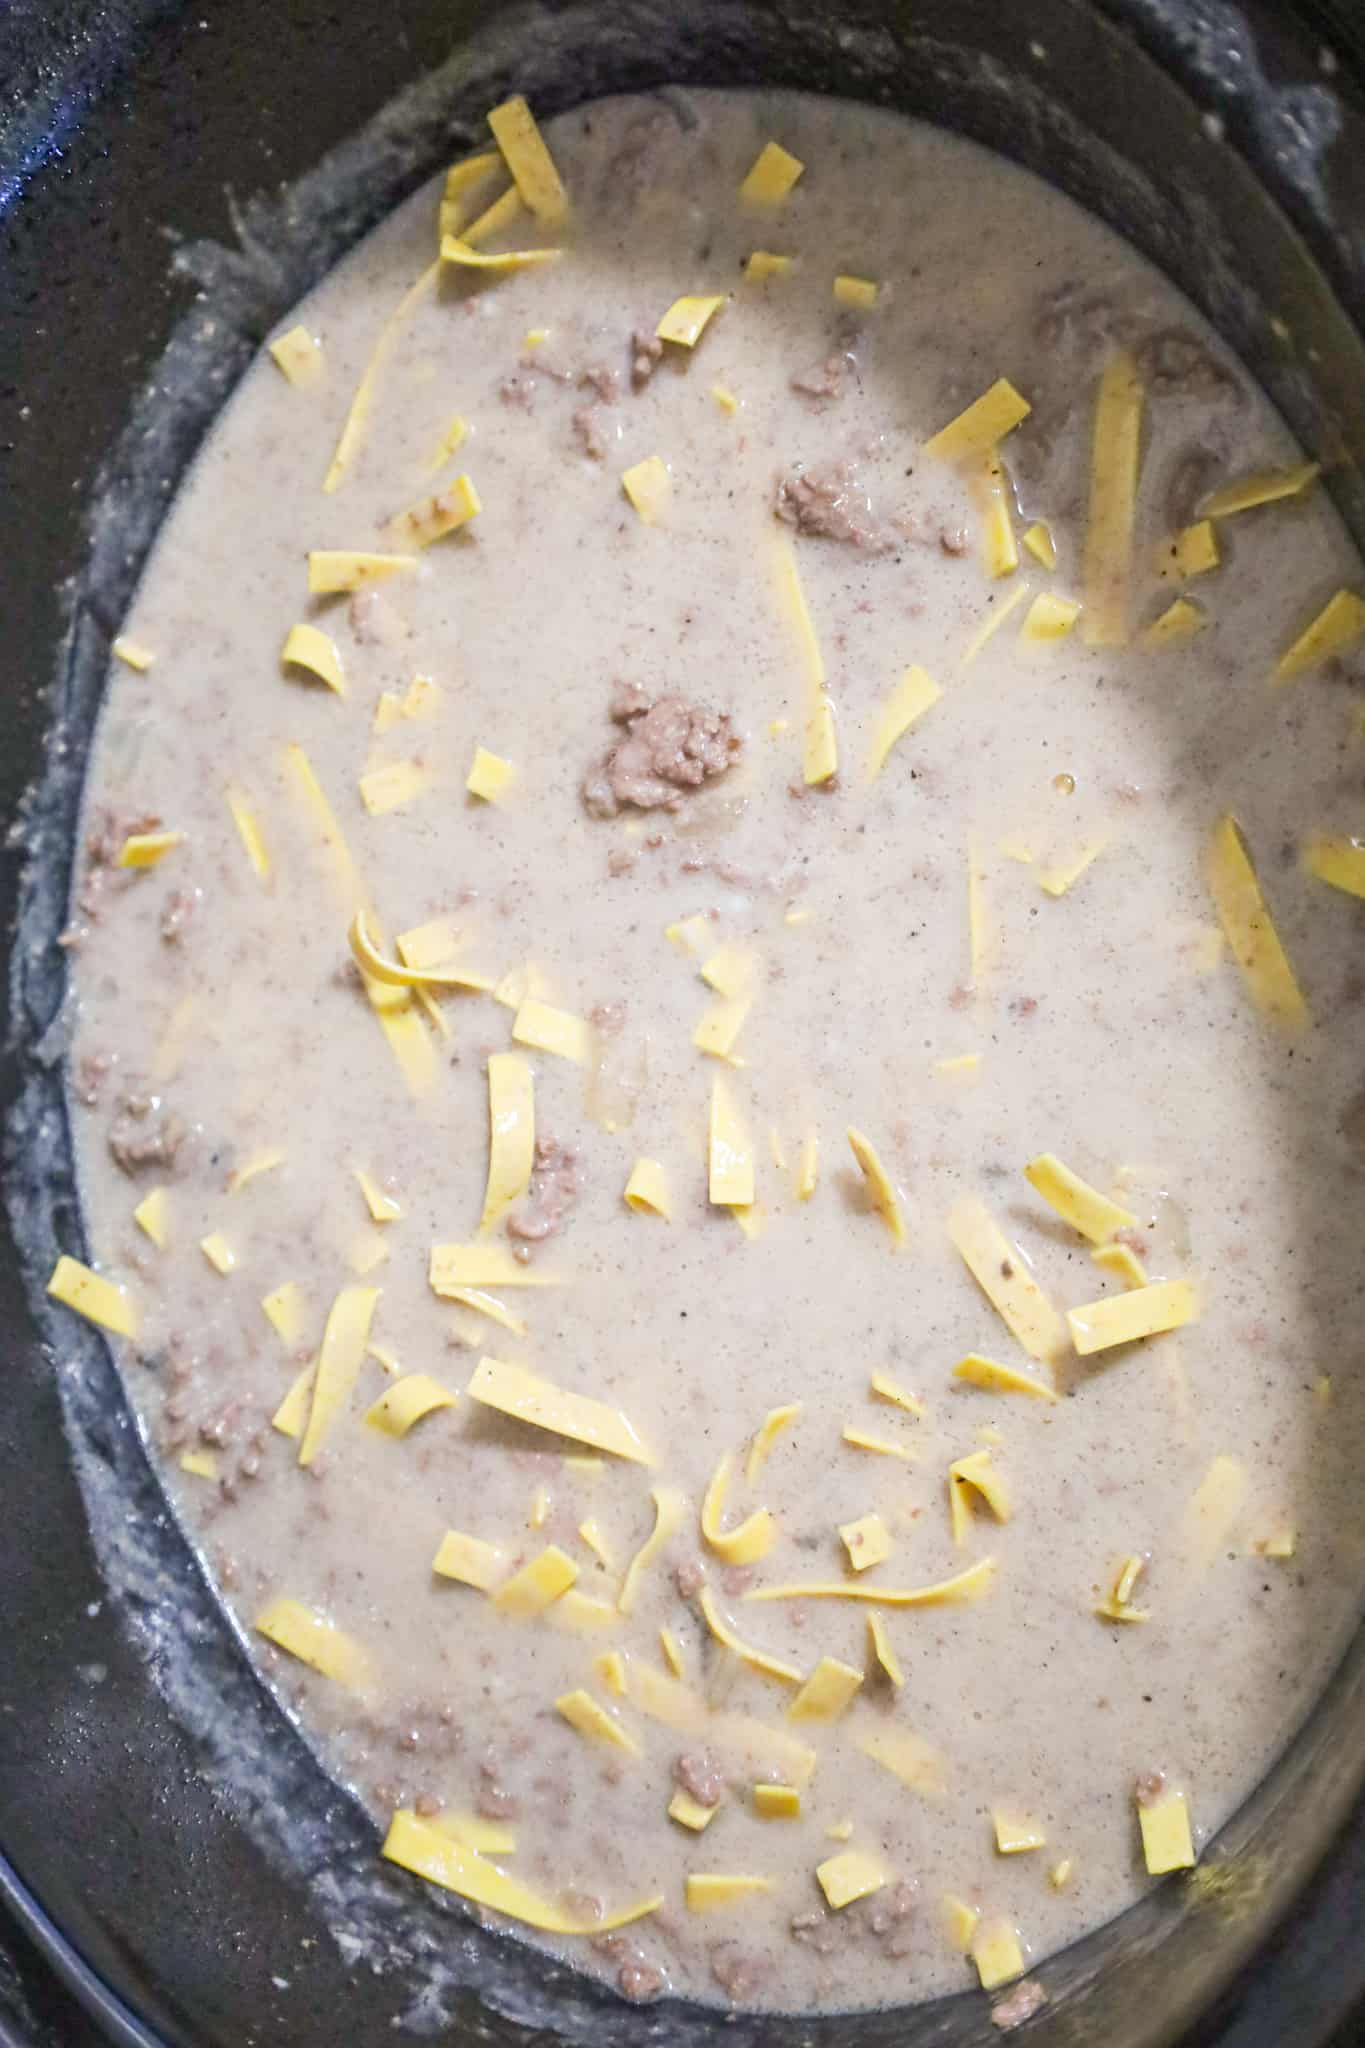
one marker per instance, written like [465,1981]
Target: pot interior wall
[171,1821]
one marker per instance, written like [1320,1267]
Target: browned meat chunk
[91,1075]
[587,426]
[603,381]
[815,1929]
[831,505]
[1019,2005]
[181,905]
[495,1801]
[645,352]
[146,1133]
[556,1183]
[669,748]
[700,1777]
[689,1577]
[889,1918]
[739,1973]
[823,381]
[639,1981]
[518,391]
[637,1978]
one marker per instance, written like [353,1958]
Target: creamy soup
[795,1386]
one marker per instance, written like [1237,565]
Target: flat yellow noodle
[303,775]
[468,1559]
[444,511]
[880,1185]
[589,1718]
[994,1378]
[93,1297]
[528,160]
[983,423]
[1215,1505]
[453,1268]
[314,1640]
[145,849]
[730,1153]
[1075,1201]
[766,1435]
[511,1134]
[1338,861]
[1180,621]
[524,1395]
[916,693]
[1249,929]
[884,1650]
[999,1271]
[1335,630]
[1115,456]
[965,1585]
[1140,1312]
[342,1353]
[505,209]
[455,249]
[918,1765]
[248,831]
[472,1831]
[402,1027]
[669,1509]
[310,648]
[646,1192]
[648,485]
[771,175]
[758,1660]
[429,1854]
[1262,487]
[994,620]
[751,1539]
[298,356]
[999,547]
[405,1403]
[460,180]
[820,745]
[292,1414]
[357,417]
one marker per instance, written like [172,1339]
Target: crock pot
[172,177]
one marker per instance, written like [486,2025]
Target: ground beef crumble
[824,381]
[1019,2005]
[830,504]
[700,1777]
[670,747]
[145,1132]
[556,1183]
[180,907]
[739,1972]
[646,350]
[587,427]
[602,380]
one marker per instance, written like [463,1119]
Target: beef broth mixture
[731,1208]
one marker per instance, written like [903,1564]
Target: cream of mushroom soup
[718,1076]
